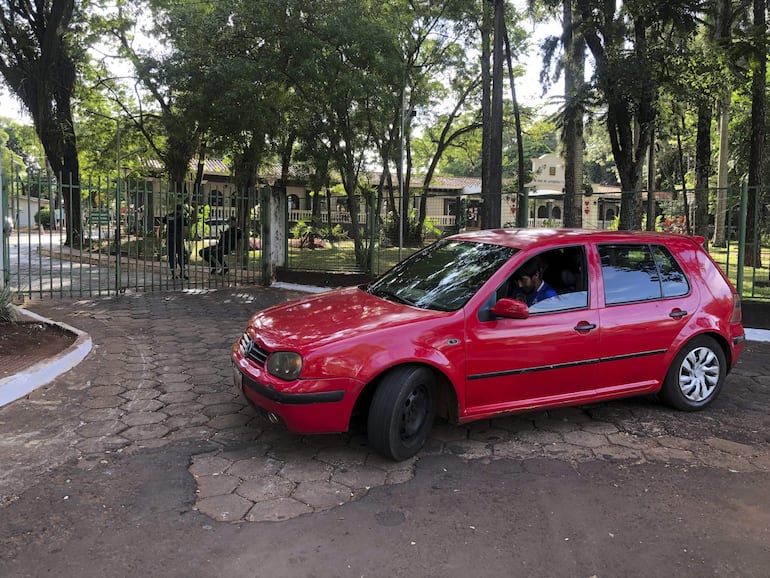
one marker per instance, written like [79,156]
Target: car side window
[672,279]
[563,274]
[640,272]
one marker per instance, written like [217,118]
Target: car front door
[548,358]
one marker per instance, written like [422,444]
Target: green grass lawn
[341,257]
[755,279]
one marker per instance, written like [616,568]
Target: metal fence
[327,240]
[125,243]
[383,242]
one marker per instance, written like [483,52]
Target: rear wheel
[402,411]
[696,375]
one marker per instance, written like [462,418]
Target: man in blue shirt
[530,286]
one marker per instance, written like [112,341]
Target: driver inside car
[529,286]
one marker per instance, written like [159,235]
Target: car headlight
[284,365]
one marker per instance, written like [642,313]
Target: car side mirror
[510,308]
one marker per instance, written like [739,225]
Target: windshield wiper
[390,295]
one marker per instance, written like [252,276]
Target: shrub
[7,313]
[43,217]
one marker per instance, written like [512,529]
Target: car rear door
[648,301]
[548,358]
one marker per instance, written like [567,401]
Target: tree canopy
[351,86]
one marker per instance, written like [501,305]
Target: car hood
[331,317]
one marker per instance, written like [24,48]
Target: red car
[487,323]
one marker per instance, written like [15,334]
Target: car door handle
[677,313]
[584,327]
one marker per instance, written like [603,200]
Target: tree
[490,212]
[570,63]
[757,143]
[41,47]
[574,73]
[723,16]
[441,140]
[170,87]
[690,90]
[341,62]
[625,78]
[437,45]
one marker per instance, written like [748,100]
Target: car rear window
[640,272]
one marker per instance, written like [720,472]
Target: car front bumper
[319,406]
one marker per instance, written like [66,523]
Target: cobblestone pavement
[160,374]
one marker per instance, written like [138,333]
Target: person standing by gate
[176,231]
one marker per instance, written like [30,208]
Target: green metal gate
[124,243]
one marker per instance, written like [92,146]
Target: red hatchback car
[482,324]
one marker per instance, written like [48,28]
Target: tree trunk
[723,37]
[574,72]
[651,208]
[630,105]
[702,170]
[757,145]
[486,95]
[521,171]
[682,171]
[720,210]
[490,210]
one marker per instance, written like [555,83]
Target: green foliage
[333,234]
[307,233]
[43,217]
[412,235]
[7,312]
[199,227]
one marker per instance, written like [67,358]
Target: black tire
[696,376]
[402,411]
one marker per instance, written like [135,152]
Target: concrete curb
[16,386]
[757,334]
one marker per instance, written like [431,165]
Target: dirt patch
[22,344]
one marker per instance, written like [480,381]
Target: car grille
[253,351]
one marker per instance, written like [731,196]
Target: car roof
[523,238]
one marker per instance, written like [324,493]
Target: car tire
[696,376]
[402,411]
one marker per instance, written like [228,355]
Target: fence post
[4,274]
[372,234]
[742,236]
[266,235]
[273,213]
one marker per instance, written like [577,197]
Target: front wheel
[696,375]
[402,411]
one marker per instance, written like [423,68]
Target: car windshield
[443,276]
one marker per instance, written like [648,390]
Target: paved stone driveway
[160,374]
